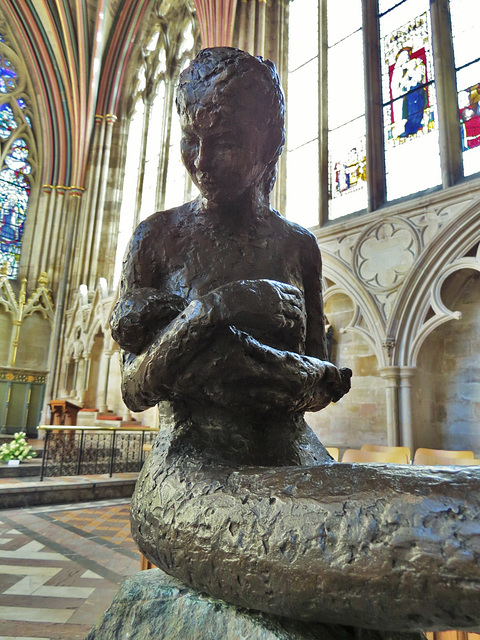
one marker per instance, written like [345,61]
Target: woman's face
[221,146]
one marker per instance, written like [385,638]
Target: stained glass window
[16,168]
[409,100]
[7,121]
[8,75]
[14,194]
[465,24]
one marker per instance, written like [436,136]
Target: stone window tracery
[15,159]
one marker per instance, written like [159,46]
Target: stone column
[167,126]
[100,203]
[391,376]
[406,425]
[260,32]
[76,360]
[322,113]
[89,204]
[108,356]
[69,226]
[373,108]
[49,192]
[250,28]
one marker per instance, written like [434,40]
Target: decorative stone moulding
[385,253]
[442,313]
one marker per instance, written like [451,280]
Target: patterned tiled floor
[60,567]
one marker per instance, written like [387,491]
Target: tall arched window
[398,102]
[153,160]
[15,167]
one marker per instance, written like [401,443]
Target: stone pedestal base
[154,606]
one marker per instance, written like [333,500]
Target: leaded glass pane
[302,170]
[347,169]
[302,114]
[343,18]
[469,116]
[386,5]
[152,156]
[7,121]
[302,32]
[129,195]
[346,123]
[346,89]
[465,25]
[8,75]
[410,119]
[14,194]
[465,15]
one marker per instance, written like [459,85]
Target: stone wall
[359,417]
[448,415]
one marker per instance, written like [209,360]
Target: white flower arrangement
[17,449]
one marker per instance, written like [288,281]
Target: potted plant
[17,450]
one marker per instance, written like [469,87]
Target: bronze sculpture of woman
[221,324]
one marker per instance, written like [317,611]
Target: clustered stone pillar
[398,391]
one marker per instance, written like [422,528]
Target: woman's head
[233,103]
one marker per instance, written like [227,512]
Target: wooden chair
[382,447]
[434,460]
[441,453]
[334,452]
[145,564]
[357,455]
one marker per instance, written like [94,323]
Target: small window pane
[152,155]
[130,186]
[343,18]
[385,5]
[7,121]
[401,14]
[14,195]
[8,75]
[465,15]
[302,113]
[347,169]
[346,91]
[302,187]
[411,168]
[469,116]
[302,32]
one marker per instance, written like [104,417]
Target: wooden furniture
[434,460]
[145,564]
[334,452]
[357,455]
[63,412]
[381,447]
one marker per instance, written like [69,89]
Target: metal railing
[77,450]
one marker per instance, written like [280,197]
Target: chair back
[357,455]
[384,447]
[434,460]
[441,453]
[334,452]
